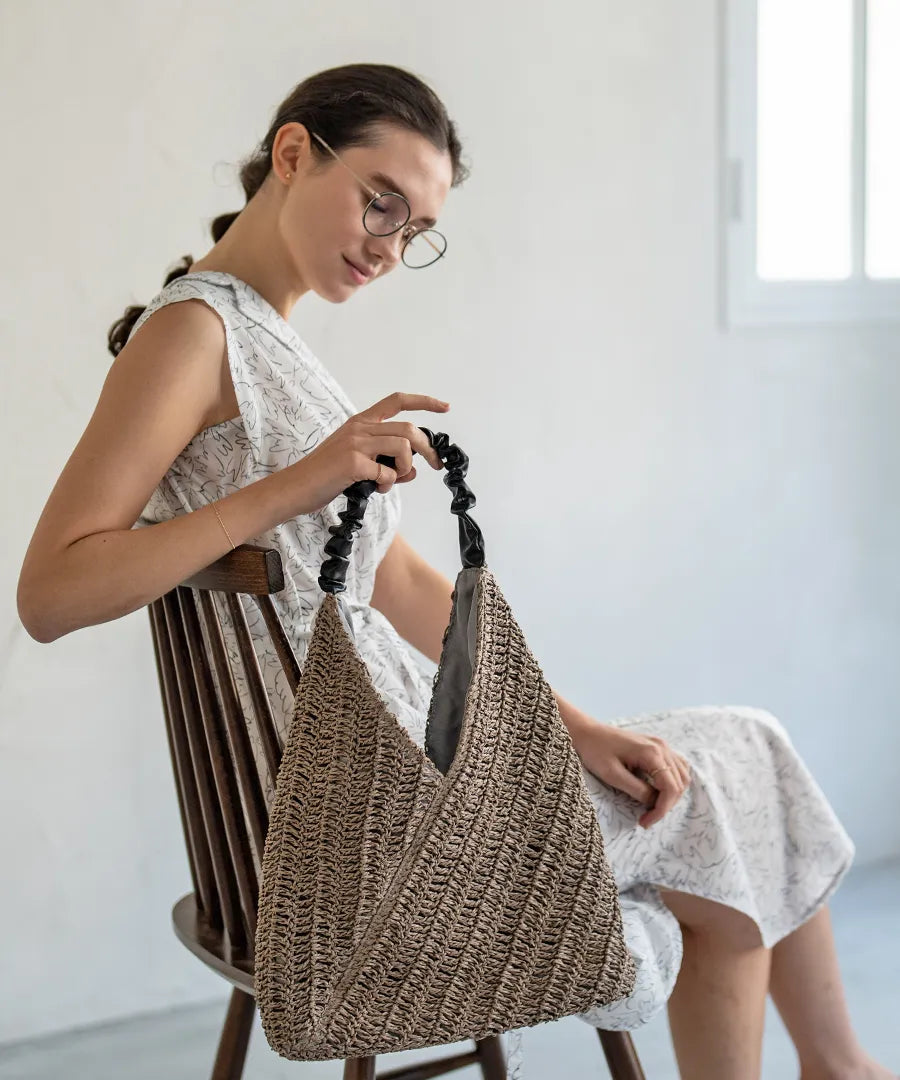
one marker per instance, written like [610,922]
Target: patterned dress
[753,831]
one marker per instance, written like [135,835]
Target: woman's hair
[342,105]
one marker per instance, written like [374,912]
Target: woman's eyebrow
[391,185]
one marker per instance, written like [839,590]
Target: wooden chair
[215,772]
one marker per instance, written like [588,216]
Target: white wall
[678,515]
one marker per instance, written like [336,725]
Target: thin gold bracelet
[222,523]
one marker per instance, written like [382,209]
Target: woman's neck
[251,250]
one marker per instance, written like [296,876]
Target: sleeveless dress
[753,831]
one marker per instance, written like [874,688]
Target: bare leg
[718,1007]
[806,988]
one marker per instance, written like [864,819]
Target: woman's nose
[390,248]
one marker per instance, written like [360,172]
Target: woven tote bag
[412,898]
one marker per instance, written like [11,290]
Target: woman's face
[321,218]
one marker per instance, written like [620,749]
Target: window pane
[883,140]
[804,139]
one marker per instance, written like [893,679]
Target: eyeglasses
[387,212]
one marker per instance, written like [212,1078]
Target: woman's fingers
[660,792]
[670,777]
[399,402]
[414,435]
[391,446]
[623,779]
[668,785]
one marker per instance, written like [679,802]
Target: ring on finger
[665,768]
[378,477]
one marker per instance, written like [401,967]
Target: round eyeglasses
[388,212]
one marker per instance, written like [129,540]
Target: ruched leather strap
[471,542]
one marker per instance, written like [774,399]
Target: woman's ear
[291,150]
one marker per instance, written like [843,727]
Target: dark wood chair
[223,807]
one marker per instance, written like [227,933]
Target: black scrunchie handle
[471,543]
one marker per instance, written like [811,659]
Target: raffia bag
[414,898]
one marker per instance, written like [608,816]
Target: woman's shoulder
[252,324]
[191,287]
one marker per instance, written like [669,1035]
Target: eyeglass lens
[387,214]
[424,248]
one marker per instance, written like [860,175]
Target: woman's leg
[806,987]
[717,1009]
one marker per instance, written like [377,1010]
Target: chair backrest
[220,789]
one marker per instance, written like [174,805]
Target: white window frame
[750,300]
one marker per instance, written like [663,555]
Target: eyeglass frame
[378,195]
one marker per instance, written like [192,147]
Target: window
[812,177]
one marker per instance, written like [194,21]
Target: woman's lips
[358,276]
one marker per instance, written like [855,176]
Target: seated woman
[218,426]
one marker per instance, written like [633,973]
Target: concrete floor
[180,1044]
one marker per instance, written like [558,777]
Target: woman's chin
[338,289]
[337,293]
[340,295]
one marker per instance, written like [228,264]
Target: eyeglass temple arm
[371,191]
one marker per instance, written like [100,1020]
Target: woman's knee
[766,721]
[702,916]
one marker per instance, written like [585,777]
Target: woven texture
[400,907]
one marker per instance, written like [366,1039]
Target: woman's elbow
[35,614]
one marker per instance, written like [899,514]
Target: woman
[217,426]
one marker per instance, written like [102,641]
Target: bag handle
[471,542]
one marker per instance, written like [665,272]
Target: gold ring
[665,768]
[378,477]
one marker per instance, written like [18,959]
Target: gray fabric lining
[448,700]
[345,617]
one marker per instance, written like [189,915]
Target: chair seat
[210,944]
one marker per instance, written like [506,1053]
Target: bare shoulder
[158,394]
[181,332]
[181,347]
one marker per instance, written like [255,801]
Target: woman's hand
[643,766]
[349,453]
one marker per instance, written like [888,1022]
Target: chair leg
[235,1037]
[621,1056]
[362,1068]
[490,1056]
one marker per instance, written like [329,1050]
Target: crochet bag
[412,898]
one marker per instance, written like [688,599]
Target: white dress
[753,831]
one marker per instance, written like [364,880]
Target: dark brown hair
[342,105]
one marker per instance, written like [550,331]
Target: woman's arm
[87,564]
[417,600]
[84,565]
[414,597]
